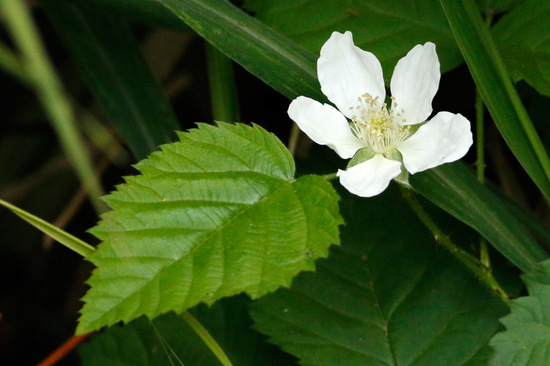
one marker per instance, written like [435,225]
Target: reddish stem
[64,349]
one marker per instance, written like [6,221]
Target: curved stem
[64,349]
[471,262]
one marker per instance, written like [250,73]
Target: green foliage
[221,212]
[389,29]
[278,61]
[387,296]
[213,215]
[526,340]
[524,42]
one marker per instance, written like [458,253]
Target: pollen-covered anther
[376,126]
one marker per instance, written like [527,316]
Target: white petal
[325,125]
[346,72]
[414,82]
[371,177]
[445,138]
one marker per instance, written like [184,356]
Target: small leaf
[387,296]
[526,340]
[213,215]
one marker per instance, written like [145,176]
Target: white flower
[381,140]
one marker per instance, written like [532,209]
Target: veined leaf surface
[526,340]
[387,296]
[213,215]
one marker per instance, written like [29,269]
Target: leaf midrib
[204,239]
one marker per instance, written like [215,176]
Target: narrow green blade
[492,80]
[61,236]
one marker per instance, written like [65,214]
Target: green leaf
[277,61]
[389,29]
[61,236]
[111,63]
[526,340]
[523,39]
[498,93]
[139,342]
[452,188]
[213,215]
[385,297]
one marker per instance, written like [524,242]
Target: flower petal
[346,72]
[325,125]
[414,82]
[371,177]
[445,138]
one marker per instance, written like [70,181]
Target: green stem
[50,93]
[206,338]
[329,177]
[293,140]
[480,138]
[223,91]
[480,164]
[471,262]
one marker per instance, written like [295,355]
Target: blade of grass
[489,72]
[50,93]
[61,236]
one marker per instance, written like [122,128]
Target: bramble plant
[226,245]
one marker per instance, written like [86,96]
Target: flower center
[378,128]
